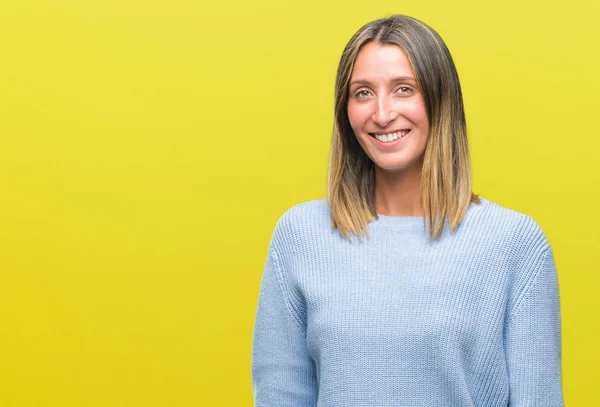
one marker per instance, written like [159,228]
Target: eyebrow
[397,79]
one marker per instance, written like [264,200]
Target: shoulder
[513,227]
[515,237]
[304,219]
[313,209]
[525,253]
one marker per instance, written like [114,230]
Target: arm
[283,373]
[533,340]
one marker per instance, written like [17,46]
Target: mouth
[389,136]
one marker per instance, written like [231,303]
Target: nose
[384,112]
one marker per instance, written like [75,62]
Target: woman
[451,300]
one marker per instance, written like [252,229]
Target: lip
[390,144]
[387,132]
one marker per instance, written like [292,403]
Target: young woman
[451,300]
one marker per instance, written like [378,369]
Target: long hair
[446,173]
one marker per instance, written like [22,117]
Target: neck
[398,194]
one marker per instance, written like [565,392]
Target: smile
[389,137]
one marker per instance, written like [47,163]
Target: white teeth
[386,138]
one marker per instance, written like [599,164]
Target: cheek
[357,115]
[416,113]
[420,113]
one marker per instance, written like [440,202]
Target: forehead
[377,60]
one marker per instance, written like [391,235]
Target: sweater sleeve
[533,341]
[283,373]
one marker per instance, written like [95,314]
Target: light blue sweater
[471,320]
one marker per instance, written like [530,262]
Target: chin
[397,167]
[391,169]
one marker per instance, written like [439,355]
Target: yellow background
[147,149]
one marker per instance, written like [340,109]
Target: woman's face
[384,100]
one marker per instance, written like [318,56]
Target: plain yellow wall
[148,148]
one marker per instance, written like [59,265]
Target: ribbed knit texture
[472,319]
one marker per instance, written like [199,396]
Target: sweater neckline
[399,221]
[412,222]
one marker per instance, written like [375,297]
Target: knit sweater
[399,320]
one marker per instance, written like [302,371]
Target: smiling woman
[387,111]
[395,75]
[464,314]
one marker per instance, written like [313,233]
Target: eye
[405,90]
[361,93]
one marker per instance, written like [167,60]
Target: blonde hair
[446,173]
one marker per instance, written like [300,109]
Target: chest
[403,301]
